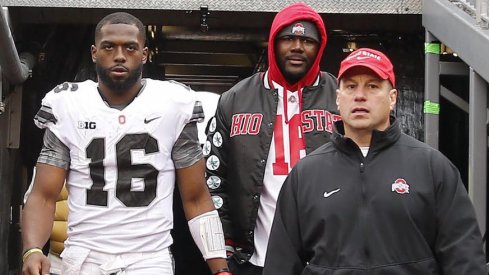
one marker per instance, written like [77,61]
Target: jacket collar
[380,139]
[268,83]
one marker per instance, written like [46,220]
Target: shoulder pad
[181,84]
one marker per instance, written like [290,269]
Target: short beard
[119,86]
[291,78]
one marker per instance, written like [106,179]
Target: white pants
[82,261]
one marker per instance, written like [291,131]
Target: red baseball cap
[372,59]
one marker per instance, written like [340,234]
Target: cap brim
[373,68]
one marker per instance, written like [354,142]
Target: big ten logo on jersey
[319,120]
[246,124]
[87,125]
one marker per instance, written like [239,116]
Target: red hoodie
[290,14]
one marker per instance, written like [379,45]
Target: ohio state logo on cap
[298,29]
[361,55]
[376,61]
[400,186]
[306,29]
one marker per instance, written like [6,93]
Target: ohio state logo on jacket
[400,186]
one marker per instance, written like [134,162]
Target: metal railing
[477,8]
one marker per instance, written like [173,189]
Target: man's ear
[145,55]
[93,50]
[337,99]
[393,98]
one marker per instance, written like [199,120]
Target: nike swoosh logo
[146,121]
[362,57]
[327,194]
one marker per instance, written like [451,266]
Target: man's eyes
[308,41]
[373,86]
[302,39]
[129,47]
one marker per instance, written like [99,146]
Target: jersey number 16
[126,171]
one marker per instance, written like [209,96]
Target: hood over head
[287,16]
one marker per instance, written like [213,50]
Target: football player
[120,143]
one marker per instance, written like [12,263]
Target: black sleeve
[458,247]
[285,254]
[216,151]
[54,152]
[186,150]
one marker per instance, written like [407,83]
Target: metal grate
[322,6]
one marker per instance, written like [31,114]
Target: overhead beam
[204,59]
[180,33]
[258,21]
[209,70]
[210,46]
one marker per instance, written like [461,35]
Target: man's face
[364,100]
[119,55]
[295,56]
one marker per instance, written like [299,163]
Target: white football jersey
[121,176]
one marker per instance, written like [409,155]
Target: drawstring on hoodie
[286,103]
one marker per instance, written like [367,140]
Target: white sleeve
[206,230]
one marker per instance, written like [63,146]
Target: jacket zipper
[364,212]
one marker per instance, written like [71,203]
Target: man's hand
[217,264]
[38,216]
[36,264]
